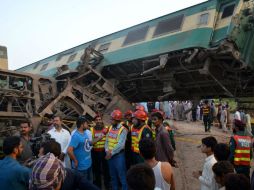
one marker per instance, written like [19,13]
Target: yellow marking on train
[188,140]
[189,23]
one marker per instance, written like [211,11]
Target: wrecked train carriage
[73,93]
[22,95]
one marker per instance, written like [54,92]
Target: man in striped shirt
[207,116]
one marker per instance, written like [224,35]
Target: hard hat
[140,115]
[127,113]
[116,115]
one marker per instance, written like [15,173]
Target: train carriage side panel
[190,35]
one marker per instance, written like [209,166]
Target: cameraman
[25,136]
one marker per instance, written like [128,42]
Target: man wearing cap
[139,130]
[48,173]
[114,147]
[99,163]
[48,169]
[79,149]
[240,149]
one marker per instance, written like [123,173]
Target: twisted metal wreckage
[71,93]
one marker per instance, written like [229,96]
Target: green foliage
[231,102]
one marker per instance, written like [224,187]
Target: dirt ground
[188,154]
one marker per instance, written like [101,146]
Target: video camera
[36,142]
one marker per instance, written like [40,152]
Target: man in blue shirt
[13,175]
[79,149]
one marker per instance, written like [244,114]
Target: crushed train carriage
[201,51]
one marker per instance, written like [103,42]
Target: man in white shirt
[237,115]
[206,177]
[223,119]
[62,136]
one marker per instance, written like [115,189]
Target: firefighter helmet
[128,113]
[141,115]
[116,115]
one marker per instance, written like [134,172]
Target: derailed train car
[199,52]
[36,98]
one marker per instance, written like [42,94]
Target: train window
[169,25]
[17,83]
[1,53]
[68,52]
[36,65]
[44,67]
[3,81]
[136,35]
[59,57]
[104,47]
[72,57]
[228,11]
[203,20]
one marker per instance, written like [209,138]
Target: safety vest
[153,128]
[113,136]
[206,110]
[136,137]
[242,150]
[128,124]
[98,146]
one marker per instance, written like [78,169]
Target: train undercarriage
[185,74]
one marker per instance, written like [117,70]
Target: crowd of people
[136,152]
[95,156]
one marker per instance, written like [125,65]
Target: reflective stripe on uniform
[241,159]
[242,151]
[113,137]
[136,137]
[98,146]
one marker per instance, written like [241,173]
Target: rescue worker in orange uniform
[128,124]
[139,131]
[240,149]
[114,147]
[142,108]
[99,163]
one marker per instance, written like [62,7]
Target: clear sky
[33,29]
